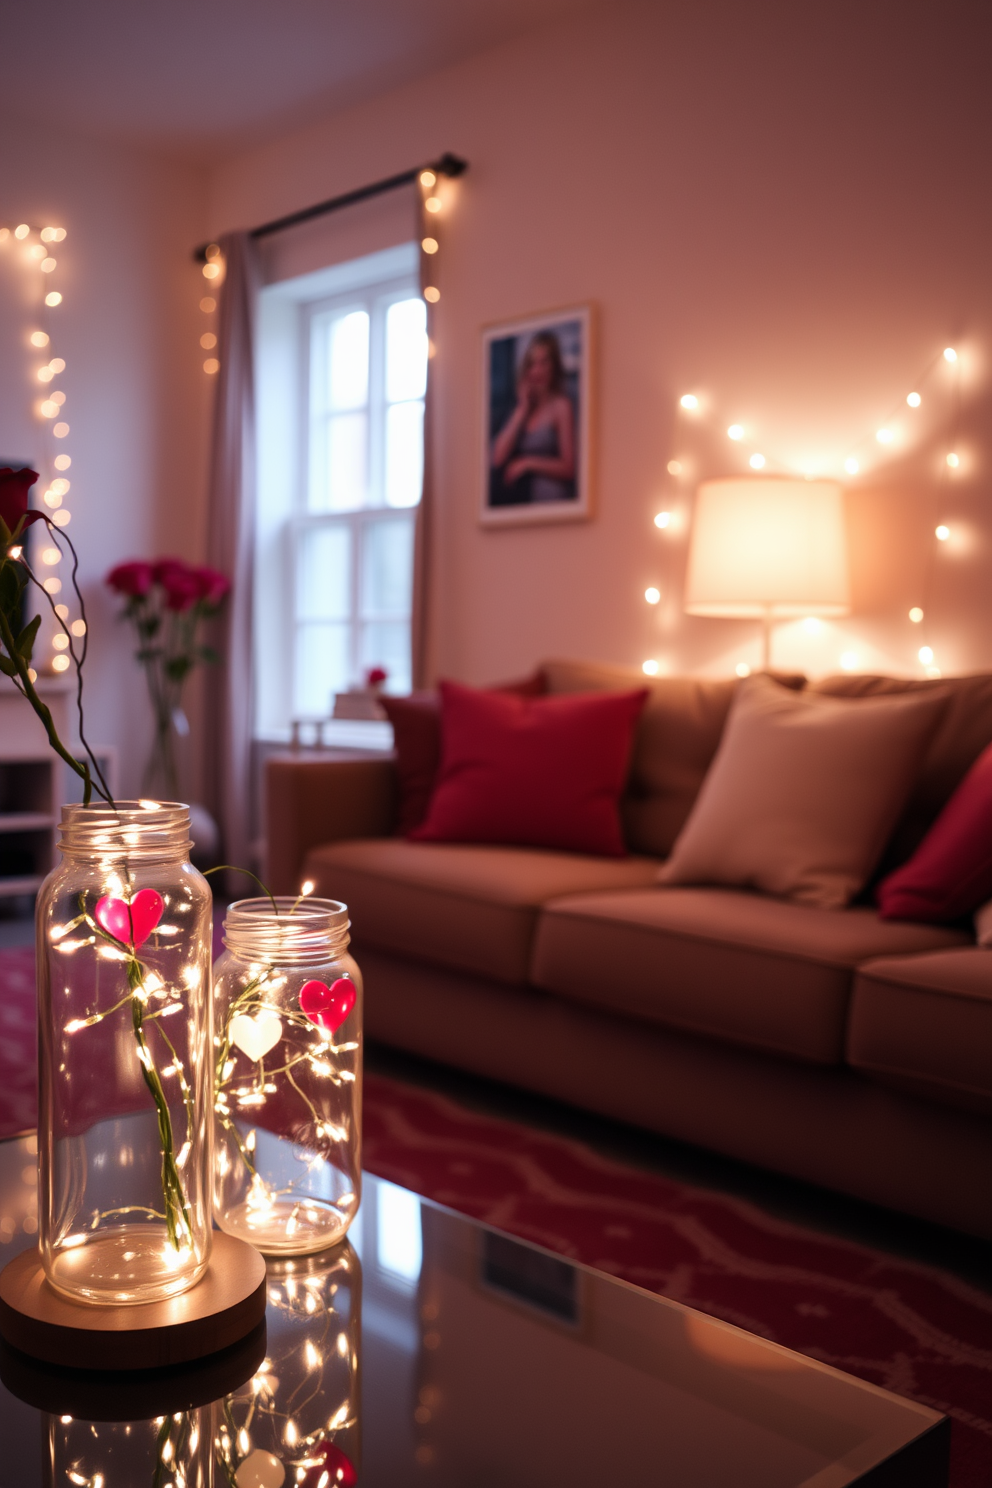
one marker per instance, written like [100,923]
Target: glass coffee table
[433,1350]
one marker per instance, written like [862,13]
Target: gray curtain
[230,545]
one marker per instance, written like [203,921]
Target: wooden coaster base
[224,1306]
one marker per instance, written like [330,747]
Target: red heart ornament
[146,909]
[333,1467]
[328,1006]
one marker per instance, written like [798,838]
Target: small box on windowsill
[360,703]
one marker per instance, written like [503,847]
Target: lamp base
[224,1306]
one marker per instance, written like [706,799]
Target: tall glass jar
[287,1075]
[124,937]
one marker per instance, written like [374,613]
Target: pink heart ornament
[328,1007]
[146,909]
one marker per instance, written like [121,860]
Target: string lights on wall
[899,430]
[34,248]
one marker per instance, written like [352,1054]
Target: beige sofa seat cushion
[756,971]
[458,905]
[924,1024]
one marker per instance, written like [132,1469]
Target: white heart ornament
[260,1469]
[256,1036]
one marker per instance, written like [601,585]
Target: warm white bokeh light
[53,298]
[211,365]
[953,460]
[428,179]
[950,355]
[78,627]
[39,338]
[849,661]
[884,436]
[429,245]
[916,615]
[675,467]
[851,465]
[650,668]
[663,520]
[60,663]
[433,204]
[942,532]
[757,462]
[914,400]
[62,462]
[736,431]
[652,595]
[742,669]
[689,400]
[925,654]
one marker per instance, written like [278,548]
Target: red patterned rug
[912,1328]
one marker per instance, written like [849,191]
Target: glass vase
[297,1419]
[124,936]
[287,1075]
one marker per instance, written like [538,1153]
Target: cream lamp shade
[768,548]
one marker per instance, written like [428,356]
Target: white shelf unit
[34,783]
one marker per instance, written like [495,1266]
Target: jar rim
[291,911]
[125,827]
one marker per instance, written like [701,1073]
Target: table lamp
[768,548]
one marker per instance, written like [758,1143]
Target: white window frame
[375,300]
[285,312]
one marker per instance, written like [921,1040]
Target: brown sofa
[829,1045]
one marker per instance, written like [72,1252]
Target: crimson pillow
[416,721]
[534,772]
[950,874]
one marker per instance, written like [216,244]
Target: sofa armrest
[312,801]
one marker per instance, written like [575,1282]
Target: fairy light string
[692,407]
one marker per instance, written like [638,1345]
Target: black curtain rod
[448,165]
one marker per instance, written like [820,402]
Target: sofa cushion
[541,772]
[467,907]
[924,1023]
[676,738]
[803,792]
[964,730]
[755,971]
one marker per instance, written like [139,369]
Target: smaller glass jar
[287,1075]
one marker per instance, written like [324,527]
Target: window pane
[404,453]
[321,668]
[324,574]
[347,462]
[386,643]
[349,353]
[387,568]
[406,350]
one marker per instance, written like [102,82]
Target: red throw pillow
[416,721]
[534,772]
[950,874]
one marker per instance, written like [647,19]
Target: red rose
[14,488]
[375,676]
[133,579]
[211,585]
[177,581]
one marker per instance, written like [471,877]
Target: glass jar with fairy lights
[124,935]
[287,1075]
[296,1421]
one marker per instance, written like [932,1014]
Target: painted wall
[782,209]
[137,401]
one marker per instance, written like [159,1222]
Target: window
[342,377]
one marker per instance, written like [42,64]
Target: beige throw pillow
[803,792]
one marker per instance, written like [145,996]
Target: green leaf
[27,638]
[177,667]
[7,666]
[209,655]
[12,582]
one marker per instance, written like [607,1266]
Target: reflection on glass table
[452,1355]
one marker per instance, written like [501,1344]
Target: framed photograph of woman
[536,416]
